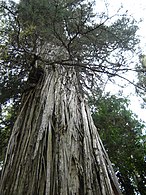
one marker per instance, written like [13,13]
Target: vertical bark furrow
[55,148]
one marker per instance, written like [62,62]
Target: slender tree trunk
[55,148]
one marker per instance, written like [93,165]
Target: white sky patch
[137,9]
[17,1]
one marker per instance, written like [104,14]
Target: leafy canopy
[121,133]
[59,33]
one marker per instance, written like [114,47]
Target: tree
[119,128]
[141,74]
[51,52]
[6,122]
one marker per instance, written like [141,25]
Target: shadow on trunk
[55,148]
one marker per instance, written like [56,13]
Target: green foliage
[141,74]
[7,117]
[121,133]
[74,38]
[67,26]
[124,32]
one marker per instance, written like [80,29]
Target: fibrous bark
[55,148]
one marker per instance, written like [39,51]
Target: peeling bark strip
[55,148]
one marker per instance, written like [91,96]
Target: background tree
[141,74]
[52,52]
[122,136]
[7,119]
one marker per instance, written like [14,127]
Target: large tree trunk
[55,148]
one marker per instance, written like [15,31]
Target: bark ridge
[55,148]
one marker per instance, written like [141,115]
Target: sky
[137,9]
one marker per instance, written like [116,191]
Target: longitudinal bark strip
[55,148]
